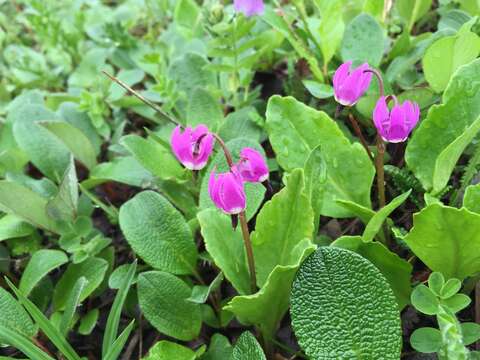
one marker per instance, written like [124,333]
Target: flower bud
[252,166]
[227,192]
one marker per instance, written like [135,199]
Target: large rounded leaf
[158,233]
[163,300]
[343,308]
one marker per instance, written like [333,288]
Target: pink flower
[350,85]
[226,191]
[252,166]
[249,7]
[192,147]
[395,126]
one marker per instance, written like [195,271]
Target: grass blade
[49,330]
[23,344]
[118,344]
[71,306]
[111,329]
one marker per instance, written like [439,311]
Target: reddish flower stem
[359,134]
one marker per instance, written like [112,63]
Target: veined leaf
[22,343]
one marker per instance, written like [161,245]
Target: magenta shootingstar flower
[252,166]
[192,147]
[249,7]
[226,191]
[395,125]
[349,85]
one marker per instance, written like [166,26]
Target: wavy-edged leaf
[335,304]
[158,233]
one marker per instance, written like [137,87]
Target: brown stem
[375,72]
[380,172]
[228,154]
[248,248]
[359,134]
[143,99]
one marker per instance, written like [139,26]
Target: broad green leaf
[43,148]
[71,305]
[412,10]
[283,228]
[318,90]
[363,41]
[471,199]
[267,307]
[335,304]
[445,123]
[158,233]
[22,343]
[425,300]
[201,293]
[42,262]
[219,348]
[75,140]
[446,55]
[14,316]
[88,322]
[457,302]
[396,270]
[436,281]
[247,347]
[363,213]
[448,158]
[450,288]
[315,179]
[446,239]
[153,157]
[129,77]
[426,340]
[63,206]
[331,29]
[242,123]
[203,108]
[255,192]
[186,15]
[93,269]
[376,222]
[12,226]
[163,301]
[470,332]
[225,246]
[296,129]
[25,204]
[167,350]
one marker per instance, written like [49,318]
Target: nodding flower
[192,147]
[227,192]
[394,126]
[349,85]
[249,7]
[252,166]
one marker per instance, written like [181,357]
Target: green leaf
[242,123]
[267,307]
[190,71]
[363,41]
[63,206]
[436,281]
[446,240]
[448,158]
[186,15]
[396,270]
[450,288]
[470,332]
[43,148]
[113,321]
[247,347]
[201,293]
[471,199]
[93,269]
[163,300]
[46,326]
[26,204]
[446,55]
[444,124]
[426,340]
[167,350]
[42,262]
[255,192]
[318,90]
[296,129]
[281,227]
[335,304]
[153,156]
[331,29]
[363,213]
[413,10]
[225,245]
[88,322]
[14,227]
[75,140]
[22,343]
[425,300]
[457,302]
[129,77]
[14,316]
[376,222]
[203,108]
[119,343]
[315,179]
[72,302]
[219,348]
[158,233]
